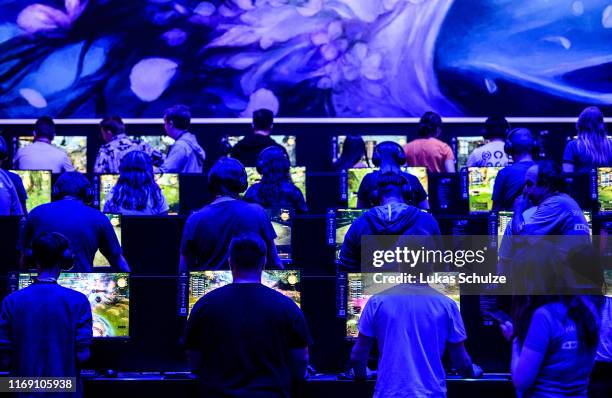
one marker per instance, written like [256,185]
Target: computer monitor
[341,222]
[463,146]
[282,222]
[286,282]
[286,141]
[37,184]
[505,217]
[604,189]
[298,176]
[75,146]
[168,183]
[608,279]
[161,143]
[370,142]
[108,295]
[115,220]
[356,175]
[361,287]
[480,188]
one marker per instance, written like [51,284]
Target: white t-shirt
[42,156]
[491,154]
[412,324]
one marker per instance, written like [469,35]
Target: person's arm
[100,162]
[424,204]
[176,159]
[84,333]
[274,260]
[569,156]
[6,343]
[527,360]
[498,191]
[449,165]
[67,163]
[349,258]
[359,355]
[518,221]
[298,359]
[183,265]
[110,247]
[461,360]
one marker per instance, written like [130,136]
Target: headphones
[66,259]
[268,154]
[86,191]
[508,147]
[396,150]
[218,176]
[405,187]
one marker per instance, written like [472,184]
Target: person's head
[496,128]
[353,150]
[177,120]
[391,186]
[273,163]
[519,143]
[111,126]
[51,252]
[73,185]
[388,154]
[227,177]
[263,119]
[136,188]
[247,256]
[3,150]
[543,180]
[44,128]
[430,125]
[592,136]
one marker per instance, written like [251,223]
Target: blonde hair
[592,136]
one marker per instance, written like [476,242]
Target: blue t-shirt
[87,230]
[576,154]
[509,184]
[567,363]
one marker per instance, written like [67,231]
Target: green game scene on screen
[604,189]
[286,282]
[168,183]
[356,175]
[370,143]
[108,295]
[37,184]
[281,221]
[344,218]
[465,146]
[298,176]
[480,188]
[115,220]
[75,146]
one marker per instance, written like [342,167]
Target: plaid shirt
[111,153]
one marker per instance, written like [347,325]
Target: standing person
[136,192]
[8,179]
[46,329]
[427,150]
[353,154]
[592,148]
[493,153]
[209,231]
[245,339]
[276,189]
[186,155]
[247,149]
[87,228]
[42,154]
[116,145]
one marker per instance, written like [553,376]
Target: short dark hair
[496,127]
[179,116]
[114,124]
[550,175]
[248,251]
[50,250]
[390,183]
[522,141]
[227,177]
[45,127]
[429,124]
[72,183]
[263,119]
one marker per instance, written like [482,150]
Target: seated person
[136,192]
[272,359]
[46,329]
[427,150]
[15,179]
[592,148]
[492,154]
[390,155]
[511,179]
[42,154]
[117,145]
[413,325]
[393,216]
[209,231]
[276,190]
[247,149]
[86,228]
[186,155]
[353,153]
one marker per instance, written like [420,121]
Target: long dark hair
[275,169]
[136,187]
[353,150]
[541,279]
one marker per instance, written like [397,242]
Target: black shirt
[509,184]
[247,149]
[288,197]
[369,185]
[245,333]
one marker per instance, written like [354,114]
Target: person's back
[10,204]
[186,155]
[248,149]
[366,194]
[493,153]
[289,197]
[429,152]
[592,148]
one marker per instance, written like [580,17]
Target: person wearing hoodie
[186,155]
[392,216]
[248,149]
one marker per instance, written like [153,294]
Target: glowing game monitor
[361,287]
[161,143]
[464,146]
[286,282]
[480,188]
[108,295]
[344,218]
[37,184]
[604,189]
[168,183]
[99,259]
[505,217]
[75,146]
[356,176]
[370,142]
[286,141]
[282,221]
[608,279]
[298,176]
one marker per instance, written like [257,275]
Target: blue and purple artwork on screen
[318,58]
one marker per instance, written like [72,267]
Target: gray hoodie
[185,156]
